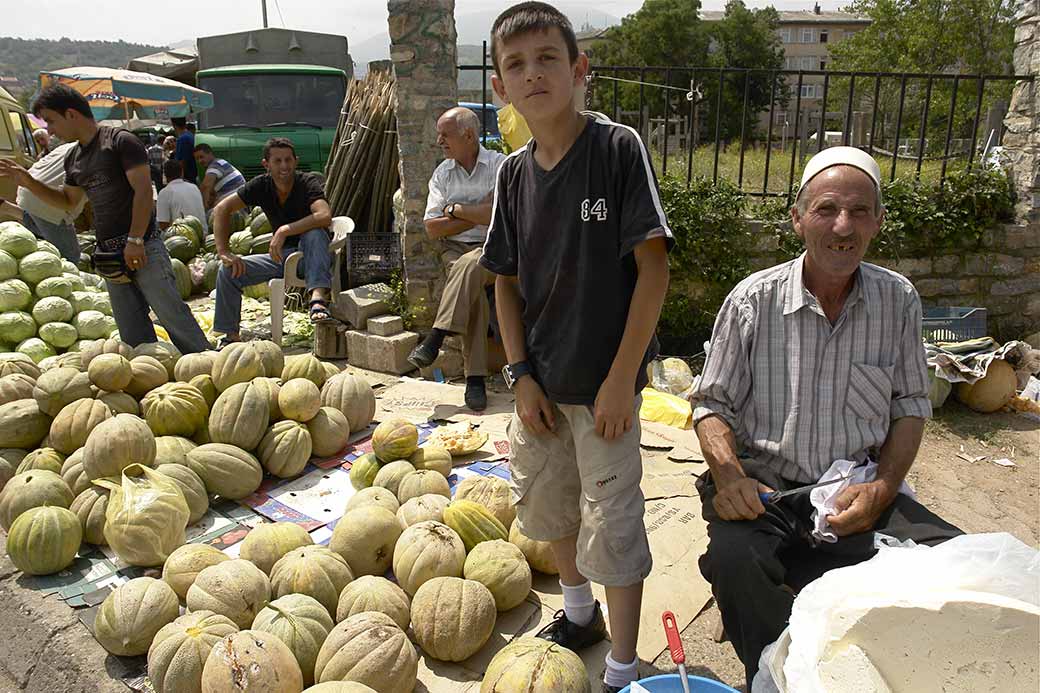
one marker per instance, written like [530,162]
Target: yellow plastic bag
[665,408]
[513,127]
[146,516]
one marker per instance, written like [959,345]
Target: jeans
[62,235]
[315,268]
[155,287]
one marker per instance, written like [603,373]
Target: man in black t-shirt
[296,208]
[110,166]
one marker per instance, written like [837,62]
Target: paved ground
[46,650]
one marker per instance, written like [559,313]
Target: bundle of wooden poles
[361,174]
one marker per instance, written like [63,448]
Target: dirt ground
[977,496]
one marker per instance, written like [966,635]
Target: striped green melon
[299,399]
[191,365]
[421,509]
[490,491]
[431,457]
[191,486]
[316,571]
[22,424]
[421,483]
[538,553]
[503,569]
[90,507]
[270,387]
[329,431]
[204,384]
[172,450]
[72,425]
[16,386]
[390,476]
[425,551]
[163,352]
[73,474]
[302,623]
[179,651]
[271,356]
[186,562]
[115,444]
[304,366]
[110,372]
[95,348]
[373,495]
[375,593]
[236,363]
[236,589]
[227,471]
[353,396]
[60,386]
[120,403]
[147,373]
[368,648]
[395,439]
[365,538]
[251,660]
[268,542]
[174,409]
[473,522]
[239,416]
[285,449]
[535,664]
[44,540]
[437,622]
[42,458]
[363,471]
[130,617]
[32,490]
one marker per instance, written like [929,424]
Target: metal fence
[757,128]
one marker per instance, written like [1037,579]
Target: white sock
[578,603]
[618,674]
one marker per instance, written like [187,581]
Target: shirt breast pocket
[869,393]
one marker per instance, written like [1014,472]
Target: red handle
[671,630]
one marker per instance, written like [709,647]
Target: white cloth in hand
[823,499]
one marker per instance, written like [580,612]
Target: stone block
[912,267]
[383,354]
[993,265]
[945,287]
[358,305]
[385,325]
[1016,287]
[1018,237]
[947,264]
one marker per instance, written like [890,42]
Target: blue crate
[953,324]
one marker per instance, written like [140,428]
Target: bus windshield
[258,100]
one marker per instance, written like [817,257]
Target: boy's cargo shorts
[573,481]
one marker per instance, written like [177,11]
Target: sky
[165,23]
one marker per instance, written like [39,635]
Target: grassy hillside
[24,58]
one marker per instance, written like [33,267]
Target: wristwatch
[136,240]
[514,372]
[449,210]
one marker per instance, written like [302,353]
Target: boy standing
[579,240]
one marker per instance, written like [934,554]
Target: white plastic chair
[340,227]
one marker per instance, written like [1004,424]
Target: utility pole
[263,7]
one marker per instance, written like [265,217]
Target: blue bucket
[671,683]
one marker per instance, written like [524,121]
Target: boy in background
[579,240]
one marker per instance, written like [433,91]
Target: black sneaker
[423,355]
[476,394]
[574,637]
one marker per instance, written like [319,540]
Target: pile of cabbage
[47,305]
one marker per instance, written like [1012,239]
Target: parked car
[488,115]
[16,140]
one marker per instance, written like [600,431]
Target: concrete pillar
[422,47]
[1022,138]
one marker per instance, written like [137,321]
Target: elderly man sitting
[458,211]
[812,362]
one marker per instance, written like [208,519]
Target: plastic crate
[954,324]
[371,257]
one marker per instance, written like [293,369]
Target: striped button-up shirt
[800,393]
[452,183]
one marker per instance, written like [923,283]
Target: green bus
[253,103]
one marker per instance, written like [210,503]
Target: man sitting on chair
[458,211]
[295,205]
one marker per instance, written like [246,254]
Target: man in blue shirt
[220,178]
[185,151]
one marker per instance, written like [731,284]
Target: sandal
[319,311]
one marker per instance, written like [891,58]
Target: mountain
[23,59]
[474,28]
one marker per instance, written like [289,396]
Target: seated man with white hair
[815,365]
[458,211]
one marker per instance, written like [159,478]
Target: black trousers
[756,566]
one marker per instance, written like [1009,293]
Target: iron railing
[690,114]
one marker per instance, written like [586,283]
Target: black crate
[372,257]
[953,324]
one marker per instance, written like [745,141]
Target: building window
[809,62]
[785,35]
[809,91]
[779,118]
[823,64]
[823,36]
[808,35]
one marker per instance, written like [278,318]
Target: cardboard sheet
[422,400]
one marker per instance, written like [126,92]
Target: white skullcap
[842,156]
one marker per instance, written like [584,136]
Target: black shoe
[476,394]
[423,355]
[611,689]
[574,637]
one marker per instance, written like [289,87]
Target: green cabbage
[92,281]
[79,344]
[36,349]
[16,239]
[48,247]
[55,286]
[58,334]
[91,300]
[74,279]
[16,326]
[35,267]
[52,309]
[14,295]
[8,265]
[69,268]
[92,324]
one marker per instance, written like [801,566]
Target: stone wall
[1023,118]
[422,47]
[1002,276]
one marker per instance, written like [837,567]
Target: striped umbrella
[115,93]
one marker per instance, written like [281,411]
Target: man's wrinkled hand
[234,263]
[859,507]
[9,169]
[738,499]
[613,408]
[533,407]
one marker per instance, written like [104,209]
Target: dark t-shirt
[100,169]
[307,187]
[185,153]
[568,235]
